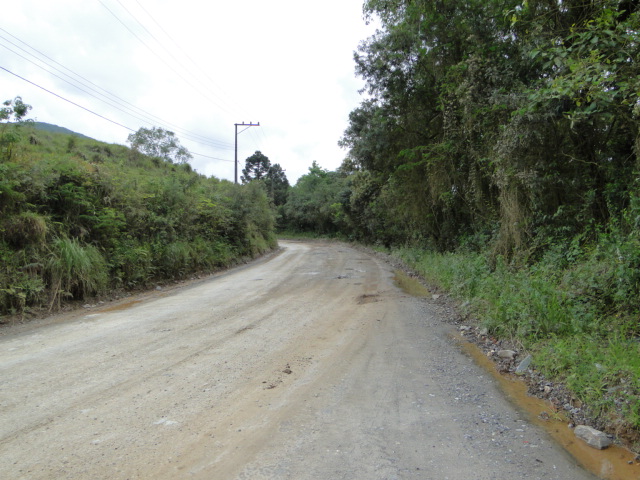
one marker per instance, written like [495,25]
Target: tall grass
[578,315]
[75,270]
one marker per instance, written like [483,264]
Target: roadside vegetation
[81,218]
[497,151]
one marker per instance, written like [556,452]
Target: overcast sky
[195,68]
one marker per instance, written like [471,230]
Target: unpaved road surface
[311,364]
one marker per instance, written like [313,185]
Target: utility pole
[250,124]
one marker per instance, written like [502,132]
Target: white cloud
[285,63]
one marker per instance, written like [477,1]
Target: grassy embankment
[576,311]
[82,218]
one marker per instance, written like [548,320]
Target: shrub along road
[310,364]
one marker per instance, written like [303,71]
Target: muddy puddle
[410,285]
[120,306]
[613,463]
[610,464]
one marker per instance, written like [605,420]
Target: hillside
[81,218]
[48,127]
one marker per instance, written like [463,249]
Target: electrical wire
[176,72]
[89,88]
[184,53]
[109,97]
[95,113]
[165,49]
[66,99]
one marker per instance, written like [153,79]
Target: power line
[66,99]
[165,49]
[95,113]
[181,50]
[131,109]
[209,156]
[198,90]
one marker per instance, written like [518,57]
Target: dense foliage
[499,142]
[79,217]
[513,121]
[316,203]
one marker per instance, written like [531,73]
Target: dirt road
[309,365]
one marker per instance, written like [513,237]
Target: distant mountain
[48,127]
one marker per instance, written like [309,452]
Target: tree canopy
[258,167]
[158,142]
[516,120]
[12,111]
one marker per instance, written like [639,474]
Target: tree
[277,184]
[161,143]
[316,202]
[256,167]
[16,108]
[13,111]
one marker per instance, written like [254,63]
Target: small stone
[483,332]
[508,354]
[594,438]
[435,296]
[158,287]
[464,328]
[524,364]
[547,389]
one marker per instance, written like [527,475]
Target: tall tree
[277,184]
[256,167]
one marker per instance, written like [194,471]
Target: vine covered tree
[514,120]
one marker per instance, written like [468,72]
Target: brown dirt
[311,364]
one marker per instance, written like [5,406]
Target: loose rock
[508,354]
[524,364]
[594,438]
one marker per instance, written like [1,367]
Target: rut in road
[311,364]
